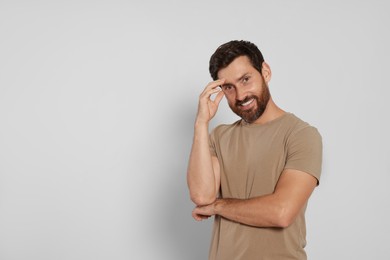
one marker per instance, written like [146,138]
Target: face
[245,89]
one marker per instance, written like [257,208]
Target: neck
[271,112]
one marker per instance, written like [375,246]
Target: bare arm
[278,209]
[203,175]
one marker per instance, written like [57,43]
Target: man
[257,174]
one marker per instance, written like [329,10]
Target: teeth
[247,103]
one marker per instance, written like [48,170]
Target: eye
[245,79]
[227,87]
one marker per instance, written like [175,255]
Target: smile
[247,103]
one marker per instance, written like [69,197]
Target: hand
[203,212]
[208,108]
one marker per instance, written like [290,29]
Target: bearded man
[257,174]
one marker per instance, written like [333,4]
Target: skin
[244,88]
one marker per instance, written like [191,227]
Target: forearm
[278,209]
[264,211]
[200,175]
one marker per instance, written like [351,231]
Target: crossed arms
[277,209]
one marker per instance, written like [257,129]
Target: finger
[219,97]
[208,93]
[196,216]
[199,212]
[199,217]
[213,85]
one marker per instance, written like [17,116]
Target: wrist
[219,205]
[199,124]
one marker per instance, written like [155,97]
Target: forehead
[238,67]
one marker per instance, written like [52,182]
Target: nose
[240,94]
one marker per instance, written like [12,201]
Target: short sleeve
[304,151]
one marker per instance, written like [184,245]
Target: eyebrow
[243,76]
[237,80]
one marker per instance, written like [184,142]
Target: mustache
[246,99]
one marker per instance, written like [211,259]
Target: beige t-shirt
[251,159]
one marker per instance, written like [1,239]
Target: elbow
[284,222]
[202,200]
[284,218]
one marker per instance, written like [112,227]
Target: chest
[251,163]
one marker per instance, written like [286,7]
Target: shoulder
[302,135]
[298,127]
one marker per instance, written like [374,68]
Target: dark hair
[229,51]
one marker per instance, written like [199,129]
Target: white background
[97,103]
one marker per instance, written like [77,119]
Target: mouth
[247,104]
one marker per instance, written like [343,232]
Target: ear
[266,72]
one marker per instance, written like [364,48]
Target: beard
[257,111]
